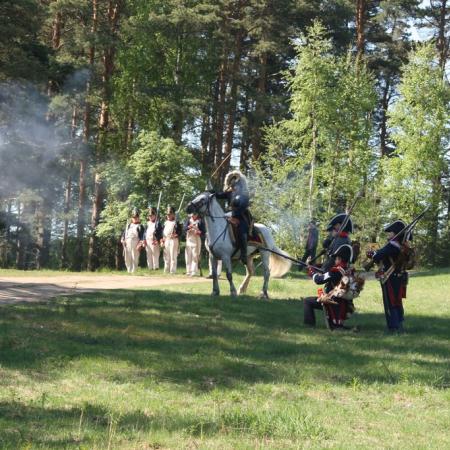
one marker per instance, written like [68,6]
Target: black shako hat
[135,212]
[339,218]
[170,210]
[397,227]
[345,251]
[151,211]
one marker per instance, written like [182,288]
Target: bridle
[206,201]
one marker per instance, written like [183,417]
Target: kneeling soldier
[335,308]
[133,241]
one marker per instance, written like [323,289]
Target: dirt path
[35,289]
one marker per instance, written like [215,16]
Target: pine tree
[420,131]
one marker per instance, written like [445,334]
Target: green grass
[176,368]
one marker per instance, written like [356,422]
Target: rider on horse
[235,191]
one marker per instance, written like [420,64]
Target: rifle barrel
[220,165]
[411,225]
[296,261]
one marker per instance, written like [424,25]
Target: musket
[209,182]
[406,230]
[342,227]
[220,165]
[295,261]
[179,208]
[157,209]
[159,204]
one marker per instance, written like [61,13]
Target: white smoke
[282,205]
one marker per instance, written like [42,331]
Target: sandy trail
[39,288]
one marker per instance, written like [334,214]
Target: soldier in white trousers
[133,241]
[194,229]
[153,234]
[171,241]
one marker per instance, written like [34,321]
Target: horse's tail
[278,265]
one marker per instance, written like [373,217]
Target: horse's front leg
[228,267]
[216,289]
[249,272]
[265,257]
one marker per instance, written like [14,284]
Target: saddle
[255,237]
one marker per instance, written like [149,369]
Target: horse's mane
[237,179]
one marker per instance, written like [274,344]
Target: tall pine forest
[106,103]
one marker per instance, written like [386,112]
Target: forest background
[104,104]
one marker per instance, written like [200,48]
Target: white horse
[221,246]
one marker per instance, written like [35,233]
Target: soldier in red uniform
[393,275]
[335,314]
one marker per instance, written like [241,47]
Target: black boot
[243,248]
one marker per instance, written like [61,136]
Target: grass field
[179,369]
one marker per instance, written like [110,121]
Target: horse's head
[199,204]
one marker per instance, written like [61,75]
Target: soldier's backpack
[356,248]
[407,257]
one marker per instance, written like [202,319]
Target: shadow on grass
[203,343]
[90,426]
[85,425]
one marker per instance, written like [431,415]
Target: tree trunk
[213,121]
[65,237]
[43,233]
[19,240]
[205,138]
[360,24]
[119,262]
[52,87]
[108,69]
[177,125]
[79,253]
[385,151]
[441,43]
[220,121]
[245,139]
[232,103]
[312,170]
[93,254]
[260,110]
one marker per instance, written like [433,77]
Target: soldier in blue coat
[337,237]
[335,314]
[393,275]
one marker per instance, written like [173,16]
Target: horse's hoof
[264,296]
[233,294]
[215,293]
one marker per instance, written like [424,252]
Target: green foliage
[326,143]
[209,75]
[22,54]
[420,131]
[420,123]
[157,165]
